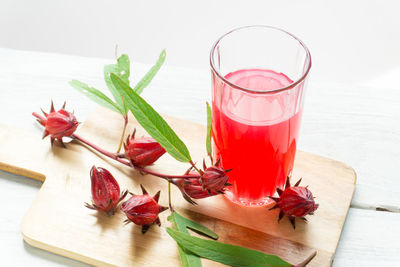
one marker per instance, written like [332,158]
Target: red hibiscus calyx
[105,191]
[295,202]
[214,179]
[57,124]
[142,151]
[143,209]
[191,188]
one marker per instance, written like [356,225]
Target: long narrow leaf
[122,70]
[188,259]
[144,82]
[152,122]
[225,253]
[184,223]
[209,120]
[96,95]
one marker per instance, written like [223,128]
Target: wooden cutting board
[58,222]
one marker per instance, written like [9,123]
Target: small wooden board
[58,222]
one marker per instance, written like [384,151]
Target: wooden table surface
[359,125]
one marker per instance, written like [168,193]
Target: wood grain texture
[57,220]
[353,123]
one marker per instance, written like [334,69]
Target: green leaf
[225,253]
[209,120]
[122,70]
[96,95]
[187,258]
[152,122]
[183,223]
[124,66]
[144,82]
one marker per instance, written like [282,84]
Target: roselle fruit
[214,178]
[105,191]
[58,124]
[142,151]
[143,209]
[295,202]
[192,188]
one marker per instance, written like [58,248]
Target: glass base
[262,202]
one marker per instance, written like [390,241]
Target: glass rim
[290,86]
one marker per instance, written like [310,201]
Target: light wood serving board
[58,222]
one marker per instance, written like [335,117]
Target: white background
[351,41]
[355,47]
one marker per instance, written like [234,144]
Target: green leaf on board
[225,253]
[188,259]
[96,95]
[183,223]
[122,70]
[151,121]
[209,120]
[144,82]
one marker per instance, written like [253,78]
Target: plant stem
[307,260]
[114,156]
[165,176]
[169,197]
[211,159]
[194,167]
[123,133]
[100,150]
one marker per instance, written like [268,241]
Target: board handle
[22,153]
[22,171]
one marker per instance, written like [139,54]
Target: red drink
[255,136]
[257,111]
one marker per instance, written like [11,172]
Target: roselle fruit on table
[57,124]
[105,191]
[214,178]
[192,188]
[142,151]
[139,153]
[212,181]
[143,209]
[295,202]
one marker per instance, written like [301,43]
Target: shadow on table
[53,259]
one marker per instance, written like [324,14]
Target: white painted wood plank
[17,194]
[361,127]
[369,238]
[358,125]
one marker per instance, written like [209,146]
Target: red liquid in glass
[259,152]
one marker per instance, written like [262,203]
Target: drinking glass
[259,76]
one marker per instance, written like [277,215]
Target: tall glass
[259,76]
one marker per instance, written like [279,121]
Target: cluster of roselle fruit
[138,153]
[106,194]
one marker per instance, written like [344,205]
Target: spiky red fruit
[142,151]
[194,189]
[214,178]
[58,124]
[105,191]
[143,209]
[294,201]
[191,188]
